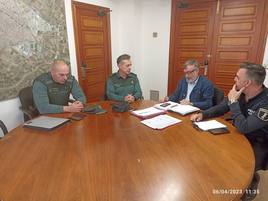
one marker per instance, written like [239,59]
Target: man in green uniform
[51,91]
[123,85]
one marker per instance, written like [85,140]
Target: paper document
[176,107]
[184,109]
[161,121]
[209,125]
[148,112]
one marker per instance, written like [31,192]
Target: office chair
[3,127]
[218,96]
[27,104]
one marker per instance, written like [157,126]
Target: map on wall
[32,35]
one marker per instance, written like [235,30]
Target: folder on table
[177,108]
[45,123]
[147,112]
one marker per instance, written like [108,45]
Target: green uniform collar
[118,75]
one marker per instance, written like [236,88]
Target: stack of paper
[148,112]
[184,109]
[176,107]
[160,122]
[209,125]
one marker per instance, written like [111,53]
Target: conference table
[114,157]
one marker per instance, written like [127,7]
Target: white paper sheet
[161,121]
[184,109]
[208,125]
[147,112]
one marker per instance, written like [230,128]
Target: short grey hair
[255,72]
[122,57]
[191,62]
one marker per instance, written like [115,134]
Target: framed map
[32,35]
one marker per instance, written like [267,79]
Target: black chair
[3,127]
[27,104]
[218,96]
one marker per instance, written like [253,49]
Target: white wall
[153,73]
[132,25]
[265,62]
[10,113]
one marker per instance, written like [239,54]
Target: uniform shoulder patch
[263,114]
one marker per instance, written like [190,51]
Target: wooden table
[113,157]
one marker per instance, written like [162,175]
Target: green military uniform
[118,87]
[50,96]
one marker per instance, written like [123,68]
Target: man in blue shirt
[51,91]
[193,89]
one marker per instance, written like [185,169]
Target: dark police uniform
[118,87]
[251,119]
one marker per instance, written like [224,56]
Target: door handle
[206,67]
[83,70]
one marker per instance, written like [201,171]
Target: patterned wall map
[32,35]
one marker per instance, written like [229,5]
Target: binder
[45,123]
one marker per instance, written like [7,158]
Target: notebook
[147,112]
[45,123]
[160,121]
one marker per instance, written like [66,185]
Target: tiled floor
[263,187]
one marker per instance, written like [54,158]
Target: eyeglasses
[189,72]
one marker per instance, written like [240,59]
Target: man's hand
[76,106]
[196,117]
[185,102]
[129,98]
[234,95]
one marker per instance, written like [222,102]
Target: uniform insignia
[132,82]
[251,112]
[263,114]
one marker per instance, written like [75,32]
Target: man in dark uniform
[248,103]
[123,85]
[51,91]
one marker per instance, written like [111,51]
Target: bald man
[51,91]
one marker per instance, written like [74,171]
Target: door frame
[107,38]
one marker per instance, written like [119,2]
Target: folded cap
[95,109]
[120,107]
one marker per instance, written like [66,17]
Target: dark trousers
[260,148]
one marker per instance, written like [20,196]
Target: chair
[104,97]
[27,104]
[3,127]
[218,96]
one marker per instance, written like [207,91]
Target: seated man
[51,91]
[193,89]
[123,85]
[248,103]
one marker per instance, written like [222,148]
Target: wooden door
[229,33]
[191,33]
[237,38]
[93,48]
